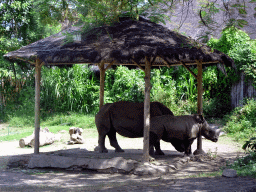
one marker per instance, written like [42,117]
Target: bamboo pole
[145,157]
[199,149]
[37,103]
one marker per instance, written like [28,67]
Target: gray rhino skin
[180,131]
[125,118]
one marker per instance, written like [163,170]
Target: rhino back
[178,127]
[158,109]
[127,118]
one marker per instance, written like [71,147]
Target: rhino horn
[218,132]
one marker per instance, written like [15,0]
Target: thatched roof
[126,42]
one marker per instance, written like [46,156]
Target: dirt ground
[183,179]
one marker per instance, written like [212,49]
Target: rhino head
[206,131]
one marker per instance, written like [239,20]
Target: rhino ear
[199,118]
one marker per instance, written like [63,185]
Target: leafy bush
[238,45]
[69,89]
[241,123]
[123,84]
[250,145]
[245,166]
[163,89]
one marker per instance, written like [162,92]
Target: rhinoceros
[180,131]
[125,118]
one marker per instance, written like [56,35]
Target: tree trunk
[25,141]
[46,138]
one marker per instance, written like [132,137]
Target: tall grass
[69,89]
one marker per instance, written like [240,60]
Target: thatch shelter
[128,42]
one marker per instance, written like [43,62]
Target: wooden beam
[200,88]
[109,65]
[189,69]
[138,65]
[142,65]
[102,82]
[199,149]
[165,62]
[38,66]
[145,157]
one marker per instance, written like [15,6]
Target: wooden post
[102,82]
[199,104]
[37,104]
[145,157]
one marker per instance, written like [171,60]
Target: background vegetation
[70,95]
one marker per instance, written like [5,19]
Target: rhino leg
[158,149]
[113,141]
[188,144]
[101,142]
[151,150]
[154,142]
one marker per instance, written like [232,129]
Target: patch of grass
[54,123]
[15,133]
[211,174]
[245,166]
[69,120]
[241,123]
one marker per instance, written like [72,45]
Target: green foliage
[163,89]
[245,166]
[250,145]
[123,84]
[241,123]
[69,89]
[70,119]
[186,84]
[238,45]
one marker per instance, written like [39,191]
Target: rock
[96,148]
[172,167]
[229,173]
[46,138]
[150,169]
[55,161]
[75,135]
[18,161]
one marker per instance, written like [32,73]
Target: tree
[19,26]
[98,12]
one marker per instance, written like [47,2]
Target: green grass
[245,166]
[54,123]
[211,174]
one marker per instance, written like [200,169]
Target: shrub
[245,166]
[241,123]
[250,145]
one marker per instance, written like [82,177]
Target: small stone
[173,167]
[96,148]
[229,173]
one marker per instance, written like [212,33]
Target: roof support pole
[199,149]
[102,82]
[38,66]
[145,157]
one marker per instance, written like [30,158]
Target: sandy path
[38,180]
